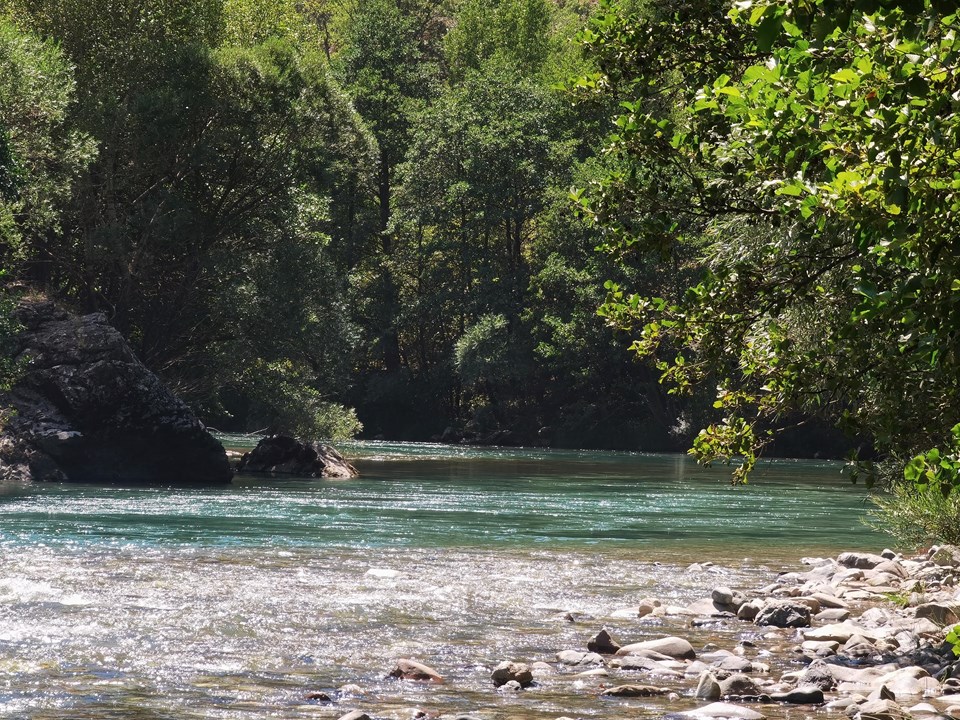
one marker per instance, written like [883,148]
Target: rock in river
[87,410]
[285,455]
[635,691]
[784,614]
[604,643]
[675,647]
[406,669]
[511,672]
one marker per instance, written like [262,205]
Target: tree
[41,155]
[40,158]
[517,31]
[816,171]
[389,68]
[218,183]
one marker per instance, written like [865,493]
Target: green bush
[918,514]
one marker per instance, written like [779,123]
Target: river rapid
[239,601]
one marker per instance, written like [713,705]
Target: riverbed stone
[708,687]
[828,600]
[734,663]
[880,710]
[940,613]
[727,598]
[738,685]
[285,455]
[604,643]
[803,695]
[575,657]
[784,614]
[859,560]
[672,646]
[818,674]
[749,610]
[909,681]
[642,664]
[832,615]
[355,715]
[407,669]
[820,647]
[647,606]
[838,632]
[508,671]
[945,555]
[635,691]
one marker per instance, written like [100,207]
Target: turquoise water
[237,601]
[422,496]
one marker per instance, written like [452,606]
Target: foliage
[10,367]
[207,216]
[917,515]
[291,207]
[515,30]
[924,507]
[953,638]
[40,155]
[282,400]
[814,168]
[482,354]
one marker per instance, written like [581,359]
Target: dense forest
[402,216]
[317,217]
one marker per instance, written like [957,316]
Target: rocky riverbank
[859,636]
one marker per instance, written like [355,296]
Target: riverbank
[859,636]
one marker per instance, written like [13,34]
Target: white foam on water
[384,573]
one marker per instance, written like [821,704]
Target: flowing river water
[239,601]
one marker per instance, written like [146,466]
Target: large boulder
[87,410]
[281,454]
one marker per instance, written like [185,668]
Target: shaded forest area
[310,216]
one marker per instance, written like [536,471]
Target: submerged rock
[285,455]
[87,410]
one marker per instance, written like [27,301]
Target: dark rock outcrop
[288,456]
[86,410]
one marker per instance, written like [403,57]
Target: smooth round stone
[675,647]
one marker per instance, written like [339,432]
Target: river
[238,601]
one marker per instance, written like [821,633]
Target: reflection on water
[235,602]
